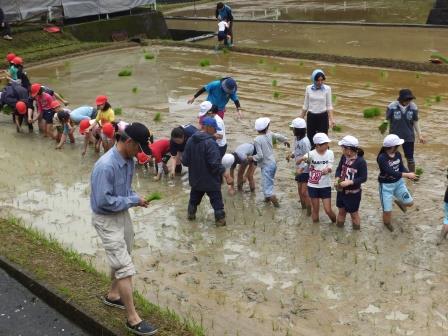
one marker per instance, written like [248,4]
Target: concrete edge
[349,60]
[307,22]
[70,310]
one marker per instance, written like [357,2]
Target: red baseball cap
[17,60]
[142,158]
[83,125]
[108,130]
[55,104]
[10,57]
[35,88]
[100,100]
[21,107]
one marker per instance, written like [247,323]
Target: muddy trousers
[316,123]
[215,200]
[408,149]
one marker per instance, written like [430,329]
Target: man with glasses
[110,199]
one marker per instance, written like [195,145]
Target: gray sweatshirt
[264,147]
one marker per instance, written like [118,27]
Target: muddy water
[391,11]
[408,44]
[269,272]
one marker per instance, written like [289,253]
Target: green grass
[371,112]
[157,117]
[443,58]
[337,128]
[125,73]
[276,94]
[149,56]
[134,89]
[155,196]
[204,62]
[118,111]
[274,82]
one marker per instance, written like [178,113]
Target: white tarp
[22,9]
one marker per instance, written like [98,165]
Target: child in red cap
[62,124]
[160,155]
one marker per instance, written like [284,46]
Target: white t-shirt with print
[317,164]
[221,142]
[222,25]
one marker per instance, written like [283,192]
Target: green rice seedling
[368,85]
[274,82]
[204,62]
[225,50]
[333,69]
[118,111]
[419,171]
[274,141]
[7,109]
[275,68]
[155,196]
[333,98]
[337,128]
[158,117]
[134,89]
[440,57]
[383,126]
[384,74]
[149,56]
[300,64]
[428,102]
[438,99]
[261,61]
[417,75]
[371,112]
[125,73]
[276,94]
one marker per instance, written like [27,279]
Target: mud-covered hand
[191,100]
[143,203]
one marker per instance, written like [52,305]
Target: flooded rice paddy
[269,271]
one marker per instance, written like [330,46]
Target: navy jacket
[12,93]
[202,157]
[356,172]
[391,169]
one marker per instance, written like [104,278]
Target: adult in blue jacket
[205,171]
[224,13]
[219,93]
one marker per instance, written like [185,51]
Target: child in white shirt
[223,27]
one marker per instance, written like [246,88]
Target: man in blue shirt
[111,197]
[219,93]
[224,12]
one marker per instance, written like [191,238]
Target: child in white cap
[246,168]
[320,162]
[391,180]
[265,157]
[207,109]
[302,146]
[227,161]
[350,174]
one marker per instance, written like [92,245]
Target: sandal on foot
[113,303]
[143,328]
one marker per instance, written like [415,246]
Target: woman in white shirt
[317,106]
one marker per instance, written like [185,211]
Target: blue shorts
[302,178]
[319,192]
[222,36]
[390,190]
[47,115]
[348,202]
[445,220]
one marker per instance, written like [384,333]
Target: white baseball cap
[321,138]
[349,141]
[298,123]
[392,140]
[122,125]
[204,107]
[262,123]
[227,160]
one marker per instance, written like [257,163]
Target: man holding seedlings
[206,171]
[219,93]
[110,199]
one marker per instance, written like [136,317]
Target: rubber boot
[220,218]
[178,169]
[192,212]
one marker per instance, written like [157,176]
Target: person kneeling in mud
[206,171]
[246,168]
[160,155]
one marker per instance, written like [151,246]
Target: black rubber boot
[192,212]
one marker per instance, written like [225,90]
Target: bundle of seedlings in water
[371,112]
[261,61]
[419,171]
[149,56]
[274,82]
[118,111]
[204,62]
[125,73]
[333,98]
[7,109]
[155,196]
[276,94]
[134,89]
[438,99]
[158,117]
[383,126]
[337,128]
[384,74]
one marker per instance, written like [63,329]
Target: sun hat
[392,140]
[10,57]
[142,158]
[204,107]
[35,88]
[228,160]
[316,73]
[17,60]
[108,130]
[405,94]
[209,121]
[262,123]
[321,138]
[229,85]
[349,141]
[83,125]
[100,100]
[140,134]
[298,123]
[21,107]
[55,104]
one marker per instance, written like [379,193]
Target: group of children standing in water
[314,161]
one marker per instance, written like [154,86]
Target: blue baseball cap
[211,122]
[229,85]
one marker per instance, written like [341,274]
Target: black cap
[140,134]
[405,94]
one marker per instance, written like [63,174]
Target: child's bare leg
[305,197]
[356,220]
[250,176]
[341,217]
[71,136]
[240,176]
[387,218]
[328,210]
[315,209]
[62,141]
[443,234]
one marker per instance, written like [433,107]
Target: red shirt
[43,102]
[159,148]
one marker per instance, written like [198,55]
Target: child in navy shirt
[350,174]
[391,180]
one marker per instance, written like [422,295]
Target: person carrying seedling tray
[402,115]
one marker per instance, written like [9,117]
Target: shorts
[349,202]
[445,220]
[222,36]
[390,190]
[322,193]
[302,178]
[117,236]
[47,115]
